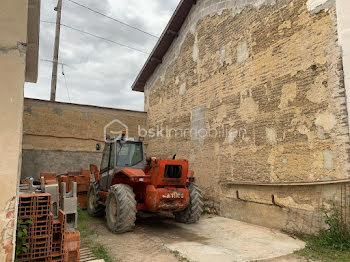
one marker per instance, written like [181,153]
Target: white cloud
[98,72]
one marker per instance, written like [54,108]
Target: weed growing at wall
[332,243]
[337,234]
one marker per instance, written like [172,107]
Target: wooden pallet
[87,256]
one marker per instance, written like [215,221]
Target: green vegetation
[331,244]
[85,226]
[313,251]
[22,232]
[204,210]
[100,252]
[178,256]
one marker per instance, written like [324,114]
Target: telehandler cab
[126,184]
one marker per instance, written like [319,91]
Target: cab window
[112,158]
[105,158]
[129,154]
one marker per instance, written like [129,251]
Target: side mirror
[98,147]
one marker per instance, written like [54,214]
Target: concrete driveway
[212,239]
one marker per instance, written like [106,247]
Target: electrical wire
[116,20]
[96,36]
[51,61]
[65,82]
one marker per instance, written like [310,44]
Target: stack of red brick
[47,239]
[72,245]
[58,238]
[34,210]
[83,182]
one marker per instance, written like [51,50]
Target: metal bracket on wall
[256,202]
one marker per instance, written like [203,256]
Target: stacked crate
[37,209]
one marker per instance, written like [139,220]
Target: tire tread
[193,211]
[126,208]
[98,209]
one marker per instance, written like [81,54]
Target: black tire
[121,209]
[94,207]
[193,211]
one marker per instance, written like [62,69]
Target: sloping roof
[169,34]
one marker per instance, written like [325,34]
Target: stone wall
[265,80]
[343,25]
[61,137]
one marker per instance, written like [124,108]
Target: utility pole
[55,54]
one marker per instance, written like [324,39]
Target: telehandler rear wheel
[94,208]
[121,209]
[193,211]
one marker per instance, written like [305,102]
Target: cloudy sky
[99,72]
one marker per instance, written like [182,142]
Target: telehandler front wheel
[121,209]
[193,211]
[94,207]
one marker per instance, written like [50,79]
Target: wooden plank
[86,255]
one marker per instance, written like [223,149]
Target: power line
[116,20]
[65,82]
[63,73]
[51,61]
[100,37]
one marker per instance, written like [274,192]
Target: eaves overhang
[33,32]
[168,36]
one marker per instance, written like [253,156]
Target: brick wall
[267,78]
[60,137]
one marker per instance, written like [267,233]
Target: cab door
[104,167]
